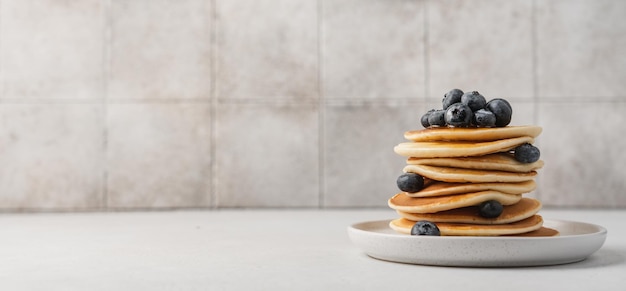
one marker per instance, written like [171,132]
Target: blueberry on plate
[490,209]
[424,119]
[425,227]
[484,118]
[527,153]
[474,100]
[454,96]
[459,115]
[410,182]
[437,118]
[502,110]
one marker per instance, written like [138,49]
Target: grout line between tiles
[325,101]
[277,101]
[157,101]
[321,108]
[213,197]
[534,61]
[415,101]
[364,102]
[534,74]
[106,71]
[2,77]
[425,43]
[96,101]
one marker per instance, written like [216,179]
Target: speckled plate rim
[576,242]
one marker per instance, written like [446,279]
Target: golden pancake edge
[437,188]
[497,162]
[405,203]
[533,223]
[444,149]
[525,208]
[472,134]
[467,175]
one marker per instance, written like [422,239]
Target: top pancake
[471,134]
[444,149]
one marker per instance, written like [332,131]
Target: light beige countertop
[260,250]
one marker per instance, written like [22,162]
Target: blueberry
[484,118]
[424,119]
[490,209]
[474,100]
[454,96]
[502,110]
[410,182]
[436,118]
[425,227]
[527,153]
[458,114]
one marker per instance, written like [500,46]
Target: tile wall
[162,104]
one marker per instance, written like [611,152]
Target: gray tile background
[121,105]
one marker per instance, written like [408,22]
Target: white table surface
[260,250]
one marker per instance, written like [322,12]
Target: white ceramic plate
[575,242]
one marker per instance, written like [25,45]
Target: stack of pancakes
[462,168]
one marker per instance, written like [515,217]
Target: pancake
[405,203]
[471,134]
[442,149]
[458,175]
[542,231]
[521,210]
[497,162]
[530,224]
[436,188]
